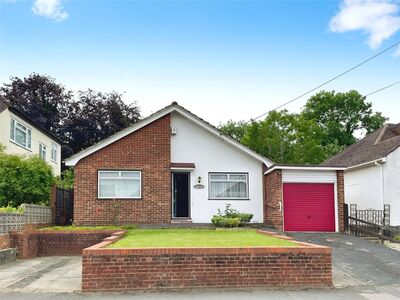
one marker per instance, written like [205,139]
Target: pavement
[361,270]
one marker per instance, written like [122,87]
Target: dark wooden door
[180,195]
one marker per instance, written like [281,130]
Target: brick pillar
[340,199]
[272,199]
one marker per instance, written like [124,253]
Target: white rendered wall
[392,186]
[363,187]
[194,144]
[37,137]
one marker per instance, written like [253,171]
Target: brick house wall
[340,199]
[147,150]
[273,195]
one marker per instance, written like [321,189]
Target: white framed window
[20,134]
[120,184]
[233,186]
[42,151]
[53,152]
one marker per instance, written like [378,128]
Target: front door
[180,195]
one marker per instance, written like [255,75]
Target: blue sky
[221,60]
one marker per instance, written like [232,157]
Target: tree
[286,138]
[342,115]
[96,116]
[41,98]
[77,123]
[24,180]
[237,130]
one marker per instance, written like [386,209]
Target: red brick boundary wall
[110,269]
[32,243]
[5,241]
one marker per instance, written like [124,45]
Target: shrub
[10,209]
[66,180]
[230,218]
[24,180]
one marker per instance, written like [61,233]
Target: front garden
[170,238]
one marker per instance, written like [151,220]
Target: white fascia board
[305,168]
[73,160]
[367,164]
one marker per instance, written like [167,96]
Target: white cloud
[378,19]
[51,9]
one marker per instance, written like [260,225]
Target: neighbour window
[54,152]
[120,184]
[20,134]
[42,151]
[228,186]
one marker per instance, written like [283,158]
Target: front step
[181,221]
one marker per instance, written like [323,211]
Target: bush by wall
[24,180]
[231,218]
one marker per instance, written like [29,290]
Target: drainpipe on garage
[380,164]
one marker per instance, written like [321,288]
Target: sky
[219,59]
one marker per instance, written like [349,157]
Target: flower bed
[116,269]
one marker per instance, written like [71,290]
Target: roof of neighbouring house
[374,146]
[5,105]
[174,107]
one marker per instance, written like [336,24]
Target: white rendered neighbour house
[372,175]
[23,137]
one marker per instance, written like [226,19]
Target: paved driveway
[42,274]
[357,261]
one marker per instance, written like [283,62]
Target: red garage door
[309,206]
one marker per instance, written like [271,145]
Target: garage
[309,206]
[304,198]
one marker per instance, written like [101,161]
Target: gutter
[304,168]
[378,161]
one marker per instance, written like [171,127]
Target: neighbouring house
[22,136]
[175,167]
[373,171]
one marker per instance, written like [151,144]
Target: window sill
[229,199]
[26,148]
[119,198]
[53,161]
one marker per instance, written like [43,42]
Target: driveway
[42,274]
[357,261]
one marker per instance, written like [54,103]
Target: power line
[381,89]
[330,80]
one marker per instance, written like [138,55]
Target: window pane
[109,174]
[29,139]
[219,176]
[130,174]
[20,137]
[115,188]
[237,177]
[12,129]
[53,152]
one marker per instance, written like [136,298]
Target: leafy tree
[342,115]
[286,138]
[78,123]
[24,180]
[96,116]
[237,130]
[66,180]
[39,97]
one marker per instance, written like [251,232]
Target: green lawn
[164,238]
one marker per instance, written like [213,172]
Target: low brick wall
[32,243]
[107,269]
[5,241]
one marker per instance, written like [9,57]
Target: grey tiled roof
[376,145]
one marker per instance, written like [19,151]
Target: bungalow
[175,167]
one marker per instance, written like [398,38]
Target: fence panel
[33,214]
